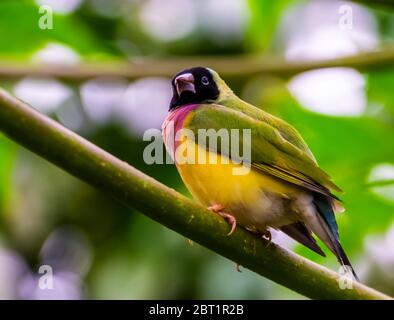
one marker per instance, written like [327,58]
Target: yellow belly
[245,195]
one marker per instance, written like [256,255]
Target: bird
[282,187]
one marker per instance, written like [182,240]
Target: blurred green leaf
[380,92]
[20,33]
[265,17]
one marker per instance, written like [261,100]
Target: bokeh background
[101,250]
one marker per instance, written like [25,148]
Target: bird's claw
[217,208]
[238,267]
[267,236]
[231,220]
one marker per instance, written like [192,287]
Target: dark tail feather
[299,232]
[343,259]
[327,219]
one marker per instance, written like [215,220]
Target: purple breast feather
[172,124]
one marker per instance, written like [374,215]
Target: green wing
[276,149]
[285,130]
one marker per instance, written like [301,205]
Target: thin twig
[227,66]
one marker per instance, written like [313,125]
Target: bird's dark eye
[204,80]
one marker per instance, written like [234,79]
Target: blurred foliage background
[102,250]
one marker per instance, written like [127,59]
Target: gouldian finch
[284,188]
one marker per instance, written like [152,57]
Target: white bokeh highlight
[334,91]
[383,172]
[45,94]
[168,20]
[12,269]
[70,114]
[224,21]
[100,97]
[145,104]
[380,254]
[61,6]
[313,31]
[56,54]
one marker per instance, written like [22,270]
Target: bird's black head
[195,85]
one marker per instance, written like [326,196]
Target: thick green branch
[102,170]
[227,66]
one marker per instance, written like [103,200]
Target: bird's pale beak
[185,82]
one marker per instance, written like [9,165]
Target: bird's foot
[267,236]
[217,208]
[230,219]
[238,267]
